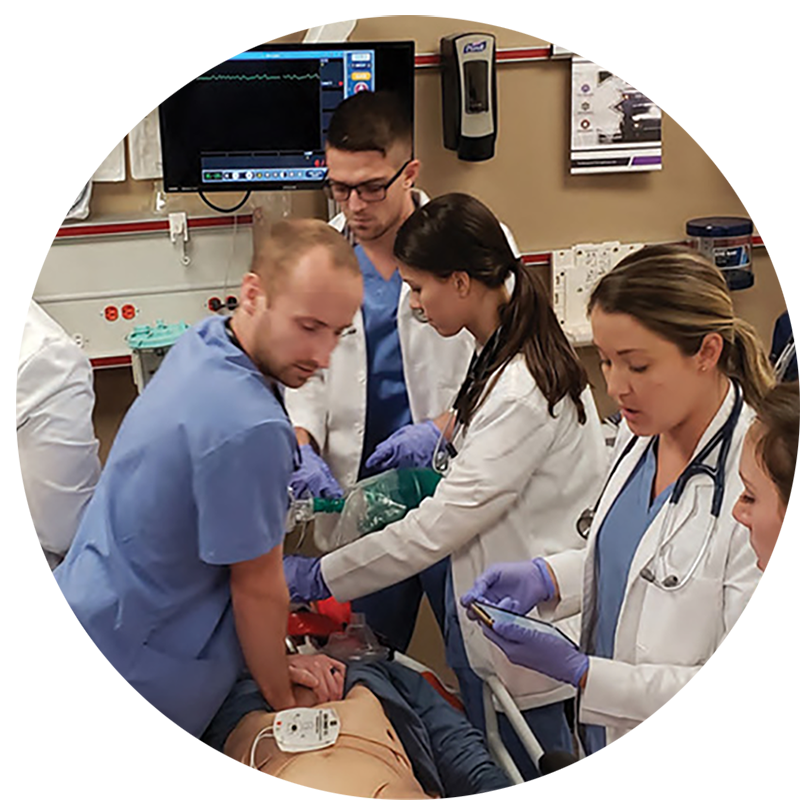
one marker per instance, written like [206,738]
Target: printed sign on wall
[616,117]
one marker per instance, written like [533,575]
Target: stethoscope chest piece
[584,523]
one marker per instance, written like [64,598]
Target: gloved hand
[550,655]
[409,446]
[304,578]
[516,587]
[313,477]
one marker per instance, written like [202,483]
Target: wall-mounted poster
[615,128]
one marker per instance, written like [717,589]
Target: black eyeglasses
[369,191]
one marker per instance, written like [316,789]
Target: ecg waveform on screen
[288,77]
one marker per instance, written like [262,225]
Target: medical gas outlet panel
[575,271]
[100,288]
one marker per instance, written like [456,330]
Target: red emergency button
[111,313]
[128,311]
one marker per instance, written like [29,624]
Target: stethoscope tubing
[723,439]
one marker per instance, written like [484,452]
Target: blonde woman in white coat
[665,574]
[528,450]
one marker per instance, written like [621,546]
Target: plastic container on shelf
[728,243]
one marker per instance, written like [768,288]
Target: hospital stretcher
[124,747]
[330,617]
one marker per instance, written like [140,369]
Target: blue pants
[548,723]
[392,612]
[593,738]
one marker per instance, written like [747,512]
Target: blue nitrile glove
[550,655]
[304,578]
[408,447]
[313,477]
[516,587]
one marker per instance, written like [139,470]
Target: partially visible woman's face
[759,507]
[654,384]
[437,298]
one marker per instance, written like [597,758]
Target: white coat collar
[625,468]
[651,538]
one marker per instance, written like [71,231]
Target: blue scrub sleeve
[241,493]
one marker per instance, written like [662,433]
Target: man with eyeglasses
[383,401]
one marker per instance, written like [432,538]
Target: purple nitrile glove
[409,446]
[304,578]
[551,655]
[516,587]
[313,477]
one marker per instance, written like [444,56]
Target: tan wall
[527,185]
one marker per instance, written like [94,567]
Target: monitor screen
[259,120]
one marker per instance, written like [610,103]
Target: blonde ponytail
[748,363]
[681,296]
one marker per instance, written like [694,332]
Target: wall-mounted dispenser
[469,94]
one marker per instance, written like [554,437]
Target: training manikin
[366,761]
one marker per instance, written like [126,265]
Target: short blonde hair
[289,240]
[682,297]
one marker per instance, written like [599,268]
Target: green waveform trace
[289,77]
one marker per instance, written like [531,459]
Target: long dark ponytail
[456,232]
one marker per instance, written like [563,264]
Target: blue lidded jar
[728,243]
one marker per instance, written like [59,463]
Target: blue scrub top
[387,399]
[617,541]
[196,480]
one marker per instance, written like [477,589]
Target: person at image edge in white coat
[55,435]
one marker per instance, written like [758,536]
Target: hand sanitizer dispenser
[469,94]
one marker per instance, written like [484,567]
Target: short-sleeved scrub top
[196,480]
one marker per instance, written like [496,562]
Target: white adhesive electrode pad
[298,730]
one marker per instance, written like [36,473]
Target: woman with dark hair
[667,570]
[524,447]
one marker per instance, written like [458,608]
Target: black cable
[225,210]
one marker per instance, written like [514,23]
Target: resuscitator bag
[376,502]
[356,644]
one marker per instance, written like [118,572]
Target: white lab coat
[520,480]
[332,406]
[55,435]
[662,637]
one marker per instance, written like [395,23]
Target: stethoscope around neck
[477,370]
[657,565]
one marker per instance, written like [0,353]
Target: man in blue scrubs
[176,571]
